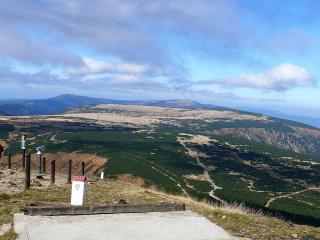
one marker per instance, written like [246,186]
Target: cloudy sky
[262,54]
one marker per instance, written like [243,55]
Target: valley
[217,156]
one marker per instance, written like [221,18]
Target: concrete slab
[184,225]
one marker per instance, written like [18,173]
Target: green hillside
[261,176]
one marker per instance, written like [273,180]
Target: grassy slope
[161,161]
[130,152]
[235,220]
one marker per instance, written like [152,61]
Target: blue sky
[262,54]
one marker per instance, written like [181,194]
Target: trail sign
[23,144]
[40,150]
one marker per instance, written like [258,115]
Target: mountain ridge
[61,103]
[21,107]
[313,121]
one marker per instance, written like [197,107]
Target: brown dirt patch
[92,162]
[199,177]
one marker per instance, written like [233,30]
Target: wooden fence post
[53,171]
[23,158]
[40,163]
[9,161]
[69,171]
[27,172]
[82,169]
[44,168]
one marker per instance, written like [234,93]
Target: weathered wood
[69,171]
[27,172]
[53,171]
[9,160]
[82,169]
[40,163]
[23,158]
[44,167]
[102,209]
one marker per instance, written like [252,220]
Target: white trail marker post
[79,191]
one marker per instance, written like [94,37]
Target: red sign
[80,178]
[1,150]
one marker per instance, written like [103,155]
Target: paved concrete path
[129,226]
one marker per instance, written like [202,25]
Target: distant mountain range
[303,119]
[53,105]
[18,107]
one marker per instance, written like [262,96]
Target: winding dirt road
[271,200]
[206,169]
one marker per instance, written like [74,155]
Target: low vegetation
[257,175]
[236,219]
[215,156]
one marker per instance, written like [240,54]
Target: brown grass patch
[129,178]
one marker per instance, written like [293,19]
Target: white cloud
[96,66]
[279,78]
[117,79]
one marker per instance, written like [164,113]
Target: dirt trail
[53,137]
[271,200]
[206,169]
[178,184]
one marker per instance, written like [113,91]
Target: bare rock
[32,204]
[123,201]
[12,184]
[36,183]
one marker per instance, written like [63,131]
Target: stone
[12,184]
[123,201]
[36,183]
[32,204]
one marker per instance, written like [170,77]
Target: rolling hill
[3,113]
[18,107]
[15,107]
[219,156]
[45,106]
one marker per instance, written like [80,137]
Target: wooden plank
[102,209]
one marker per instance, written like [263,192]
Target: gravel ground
[12,181]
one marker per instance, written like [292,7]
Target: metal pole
[27,172]
[23,158]
[69,171]
[9,161]
[53,171]
[82,169]
[44,169]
